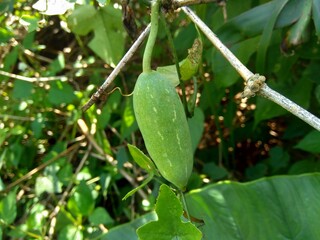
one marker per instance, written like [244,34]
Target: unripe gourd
[162,121]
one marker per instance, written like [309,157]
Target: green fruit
[163,124]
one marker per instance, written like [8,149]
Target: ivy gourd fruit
[163,124]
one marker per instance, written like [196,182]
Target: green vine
[146,64]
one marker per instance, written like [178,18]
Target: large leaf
[169,224]
[109,34]
[271,208]
[128,231]
[252,22]
[267,33]
[310,143]
[281,207]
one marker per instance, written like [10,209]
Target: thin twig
[263,90]
[39,168]
[117,69]
[234,61]
[33,79]
[292,107]
[178,4]
[85,130]
[19,118]
[66,193]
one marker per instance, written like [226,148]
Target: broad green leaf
[100,216]
[214,171]
[81,201]
[256,171]
[127,231]
[6,6]
[169,224]
[278,5]
[252,22]
[49,184]
[81,19]
[271,208]
[299,32]
[316,16]
[141,159]
[103,117]
[61,93]
[310,143]
[266,109]
[225,75]
[8,208]
[196,126]
[305,166]
[109,35]
[278,159]
[128,123]
[22,89]
[170,72]
[71,232]
[30,22]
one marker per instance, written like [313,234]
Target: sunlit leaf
[311,142]
[169,224]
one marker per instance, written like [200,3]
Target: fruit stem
[146,64]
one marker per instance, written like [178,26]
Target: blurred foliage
[64,172]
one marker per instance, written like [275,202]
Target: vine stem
[146,62]
[117,69]
[234,61]
[246,74]
[176,60]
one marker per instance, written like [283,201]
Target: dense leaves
[64,173]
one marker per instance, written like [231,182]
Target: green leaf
[278,5]
[22,89]
[144,183]
[81,202]
[8,208]
[170,72]
[316,16]
[81,19]
[141,159]
[109,35]
[61,93]
[71,232]
[196,126]
[267,109]
[270,208]
[127,231]
[299,32]
[169,224]
[49,184]
[100,216]
[253,22]
[225,75]
[305,166]
[278,158]
[128,123]
[30,22]
[310,143]
[214,171]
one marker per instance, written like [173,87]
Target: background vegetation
[64,172]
